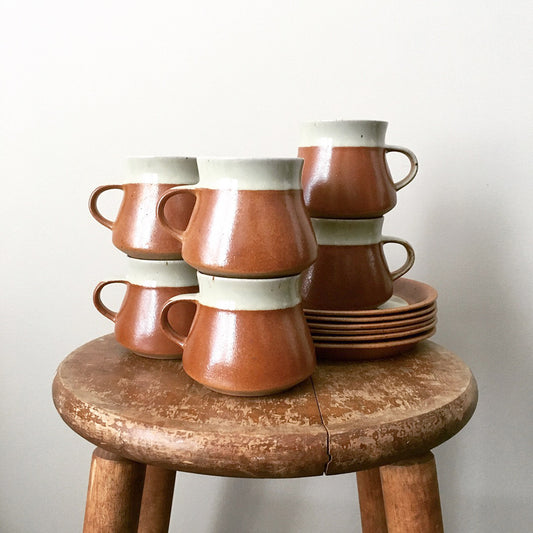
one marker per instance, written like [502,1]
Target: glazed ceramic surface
[351,270]
[249,219]
[136,230]
[248,337]
[345,173]
[377,328]
[369,350]
[349,320]
[149,285]
[322,337]
[418,295]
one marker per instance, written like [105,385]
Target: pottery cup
[136,230]
[345,173]
[351,270]
[249,219]
[249,336]
[149,285]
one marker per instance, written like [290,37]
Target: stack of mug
[155,268]
[250,239]
[349,292]
[247,268]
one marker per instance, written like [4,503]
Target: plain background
[83,85]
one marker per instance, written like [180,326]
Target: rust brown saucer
[416,294]
[349,324]
[371,350]
[379,337]
[383,329]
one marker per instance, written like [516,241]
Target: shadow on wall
[473,251]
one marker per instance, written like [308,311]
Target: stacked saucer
[407,318]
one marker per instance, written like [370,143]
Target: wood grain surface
[114,494]
[411,496]
[347,417]
[378,412]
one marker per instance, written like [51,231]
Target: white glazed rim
[172,170]
[160,273]
[252,173]
[348,232]
[247,294]
[338,133]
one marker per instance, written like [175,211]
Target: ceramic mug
[249,219]
[149,285]
[351,270]
[249,336]
[136,230]
[345,174]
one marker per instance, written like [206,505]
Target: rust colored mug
[345,173]
[351,270]
[149,285]
[136,230]
[249,220]
[249,336]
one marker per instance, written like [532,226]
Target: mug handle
[93,207]
[409,262]
[112,315]
[168,330]
[414,165]
[165,197]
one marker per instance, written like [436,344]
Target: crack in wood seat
[348,417]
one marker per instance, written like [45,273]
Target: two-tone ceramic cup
[136,230]
[249,219]
[149,285]
[249,336]
[345,174]
[351,271]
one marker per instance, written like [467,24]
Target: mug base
[168,357]
[153,256]
[248,394]
[223,272]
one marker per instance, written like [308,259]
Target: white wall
[85,84]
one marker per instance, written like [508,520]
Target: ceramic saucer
[353,324]
[416,294]
[375,350]
[374,337]
[375,329]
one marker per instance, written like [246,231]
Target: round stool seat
[347,417]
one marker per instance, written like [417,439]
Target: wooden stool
[379,419]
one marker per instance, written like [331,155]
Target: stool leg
[411,496]
[157,500]
[114,494]
[371,501]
